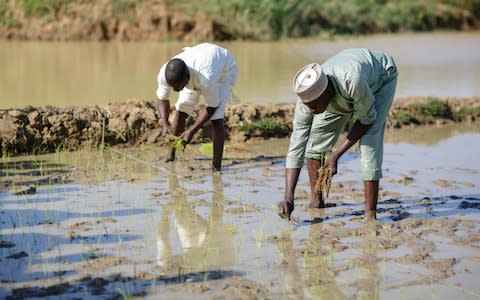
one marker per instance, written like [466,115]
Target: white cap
[310,82]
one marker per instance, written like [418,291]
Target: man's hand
[187,136]
[166,130]
[332,164]
[285,209]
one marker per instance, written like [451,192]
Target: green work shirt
[356,75]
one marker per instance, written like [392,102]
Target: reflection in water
[315,274]
[428,135]
[308,277]
[197,243]
[81,73]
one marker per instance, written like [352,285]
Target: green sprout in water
[206,148]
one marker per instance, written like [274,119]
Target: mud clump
[136,122]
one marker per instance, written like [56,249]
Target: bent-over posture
[205,69]
[358,82]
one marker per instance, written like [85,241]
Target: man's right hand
[285,209]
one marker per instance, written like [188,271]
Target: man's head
[176,74]
[311,84]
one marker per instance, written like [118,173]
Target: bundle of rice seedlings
[178,145]
[324,181]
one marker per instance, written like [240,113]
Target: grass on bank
[273,19]
[266,125]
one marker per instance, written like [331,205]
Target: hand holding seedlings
[178,145]
[187,136]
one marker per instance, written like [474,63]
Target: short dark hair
[176,71]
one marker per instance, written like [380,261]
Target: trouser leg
[218,137]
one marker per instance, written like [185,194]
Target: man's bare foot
[316,202]
[370,216]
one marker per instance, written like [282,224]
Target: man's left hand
[332,164]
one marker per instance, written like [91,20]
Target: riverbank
[137,122]
[186,20]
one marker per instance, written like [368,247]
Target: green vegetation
[404,117]
[273,19]
[425,112]
[432,108]
[464,112]
[267,125]
[206,148]
[44,7]
[178,144]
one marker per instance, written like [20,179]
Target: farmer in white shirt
[204,69]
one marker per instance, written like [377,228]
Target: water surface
[81,73]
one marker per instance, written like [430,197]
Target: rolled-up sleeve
[163,90]
[363,101]
[302,122]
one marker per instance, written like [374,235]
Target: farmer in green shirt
[358,82]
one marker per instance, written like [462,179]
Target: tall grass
[273,19]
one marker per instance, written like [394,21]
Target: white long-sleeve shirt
[212,69]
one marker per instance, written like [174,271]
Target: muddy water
[80,73]
[120,223]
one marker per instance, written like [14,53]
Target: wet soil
[120,223]
[136,122]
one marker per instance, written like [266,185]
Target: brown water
[81,73]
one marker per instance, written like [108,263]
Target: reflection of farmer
[298,279]
[204,69]
[202,241]
[358,82]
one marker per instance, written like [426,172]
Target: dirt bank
[159,20]
[48,129]
[102,21]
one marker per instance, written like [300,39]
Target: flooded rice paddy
[121,223]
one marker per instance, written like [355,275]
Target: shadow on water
[112,287]
[16,263]
[400,209]
[36,172]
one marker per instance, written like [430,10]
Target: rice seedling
[178,145]
[258,237]
[305,255]
[206,148]
[102,143]
[205,276]
[331,254]
[153,287]
[122,293]
[322,186]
